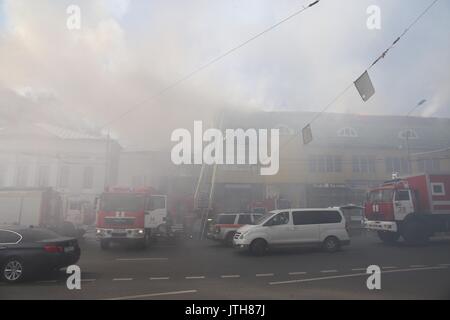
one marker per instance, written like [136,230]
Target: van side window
[306,217]
[402,195]
[330,217]
[279,219]
[245,219]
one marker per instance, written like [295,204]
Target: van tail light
[53,249]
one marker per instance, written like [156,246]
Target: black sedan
[24,251]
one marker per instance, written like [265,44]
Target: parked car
[293,228]
[225,225]
[25,251]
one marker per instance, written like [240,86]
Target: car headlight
[243,235]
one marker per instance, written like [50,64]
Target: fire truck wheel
[331,244]
[414,232]
[229,238]
[144,242]
[388,237]
[258,247]
[104,244]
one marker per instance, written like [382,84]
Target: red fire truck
[413,207]
[135,216]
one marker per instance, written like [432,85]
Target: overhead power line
[403,33]
[209,63]
[340,94]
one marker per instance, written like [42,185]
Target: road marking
[351,275]
[328,271]
[359,269]
[445,264]
[417,266]
[264,274]
[153,295]
[195,277]
[122,279]
[142,259]
[296,273]
[390,267]
[159,278]
[230,276]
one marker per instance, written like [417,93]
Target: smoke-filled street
[205,270]
[235,156]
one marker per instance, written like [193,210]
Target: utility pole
[409,130]
[107,152]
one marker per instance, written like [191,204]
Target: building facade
[42,155]
[348,155]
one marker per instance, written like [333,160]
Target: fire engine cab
[131,215]
[413,207]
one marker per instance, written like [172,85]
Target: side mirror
[97,203]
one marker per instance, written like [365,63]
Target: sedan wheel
[13,270]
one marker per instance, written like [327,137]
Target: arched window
[347,132]
[408,134]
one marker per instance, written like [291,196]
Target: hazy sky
[127,50]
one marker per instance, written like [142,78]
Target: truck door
[155,211]
[403,203]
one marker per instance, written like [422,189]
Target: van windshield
[263,218]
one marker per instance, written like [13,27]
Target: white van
[294,227]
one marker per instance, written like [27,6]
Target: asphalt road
[205,270]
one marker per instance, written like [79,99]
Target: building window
[347,132]
[397,165]
[88,178]
[22,176]
[437,189]
[429,165]
[408,134]
[363,164]
[64,174]
[43,176]
[325,163]
[337,164]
